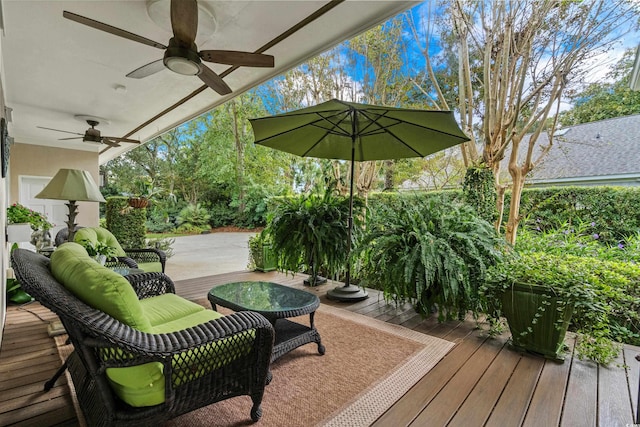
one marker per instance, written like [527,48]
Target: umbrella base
[347,294]
[319,281]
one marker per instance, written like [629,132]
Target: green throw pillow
[99,234]
[98,286]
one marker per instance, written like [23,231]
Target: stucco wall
[38,160]
[4,261]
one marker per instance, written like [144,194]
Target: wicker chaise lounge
[199,365]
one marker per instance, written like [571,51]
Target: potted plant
[24,222]
[99,251]
[430,252]
[14,291]
[261,251]
[138,202]
[537,293]
[310,234]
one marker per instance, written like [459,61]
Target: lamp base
[71,223]
[349,293]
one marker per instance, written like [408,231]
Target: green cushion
[186,322]
[98,286]
[141,385]
[144,385]
[150,267]
[99,234]
[167,308]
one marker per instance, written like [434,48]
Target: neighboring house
[606,152]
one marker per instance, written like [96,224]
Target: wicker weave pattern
[151,284]
[120,262]
[147,255]
[197,371]
[134,256]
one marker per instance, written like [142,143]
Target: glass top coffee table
[277,303]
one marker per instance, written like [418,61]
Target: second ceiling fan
[93,135]
[182,55]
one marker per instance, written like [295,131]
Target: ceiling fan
[93,135]
[182,55]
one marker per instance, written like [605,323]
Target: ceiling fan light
[182,66]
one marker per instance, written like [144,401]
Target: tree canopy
[504,67]
[605,100]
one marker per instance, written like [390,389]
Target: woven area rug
[368,366]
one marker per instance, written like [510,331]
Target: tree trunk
[514,206]
[239,160]
[389,173]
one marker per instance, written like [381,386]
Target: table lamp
[73,185]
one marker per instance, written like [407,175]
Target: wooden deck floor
[481,382]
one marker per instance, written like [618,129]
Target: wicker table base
[277,303]
[291,335]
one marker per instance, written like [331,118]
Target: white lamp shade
[72,184]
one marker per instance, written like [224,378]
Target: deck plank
[614,402]
[514,402]
[581,401]
[478,405]
[41,413]
[404,411]
[548,399]
[633,373]
[448,401]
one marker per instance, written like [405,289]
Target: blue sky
[415,62]
[598,67]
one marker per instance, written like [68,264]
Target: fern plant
[430,252]
[310,233]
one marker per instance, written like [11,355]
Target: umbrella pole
[349,292]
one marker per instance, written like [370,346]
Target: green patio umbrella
[357,132]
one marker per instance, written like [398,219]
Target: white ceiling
[54,69]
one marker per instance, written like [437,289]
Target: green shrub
[162,243]
[255,208]
[429,251]
[194,217]
[581,239]
[159,226]
[126,223]
[398,199]
[158,221]
[187,228]
[480,191]
[613,209]
[222,214]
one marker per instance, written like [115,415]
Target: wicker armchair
[101,342]
[116,262]
[143,258]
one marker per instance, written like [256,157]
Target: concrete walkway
[207,254]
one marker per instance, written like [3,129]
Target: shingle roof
[596,149]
